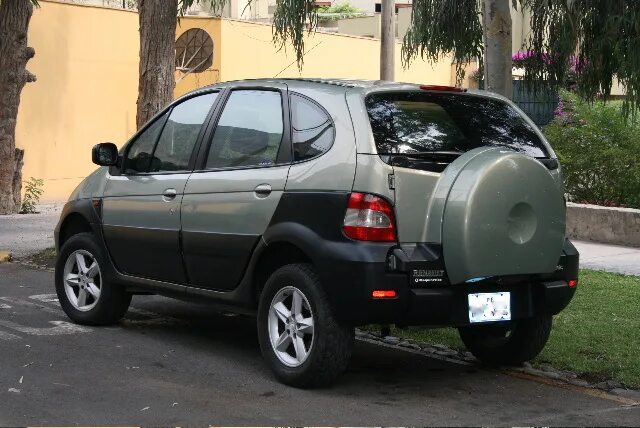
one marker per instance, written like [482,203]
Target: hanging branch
[592,42]
[441,27]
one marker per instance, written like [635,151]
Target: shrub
[33,191]
[599,151]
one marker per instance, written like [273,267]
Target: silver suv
[321,205]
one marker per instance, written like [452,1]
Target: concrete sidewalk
[23,234]
[612,258]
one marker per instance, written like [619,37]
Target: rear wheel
[85,295]
[300,338]
[508,344]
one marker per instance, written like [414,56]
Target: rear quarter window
[417,122]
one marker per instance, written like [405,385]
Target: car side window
[249,131]
[138,155]
[313,130]
[180,134]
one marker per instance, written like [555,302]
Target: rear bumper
[423,298]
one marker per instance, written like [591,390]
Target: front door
[228,203]
[141,205]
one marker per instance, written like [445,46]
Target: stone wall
[619,226]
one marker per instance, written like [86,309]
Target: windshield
[417,122]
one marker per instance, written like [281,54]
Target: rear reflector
[442,88]
[573,283]
[369,218]
[384,294]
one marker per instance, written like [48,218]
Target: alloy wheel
[82,280]
[291,326]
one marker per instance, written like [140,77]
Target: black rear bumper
[424,296]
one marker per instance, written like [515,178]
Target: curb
[543,372]
[5,256]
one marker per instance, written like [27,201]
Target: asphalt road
[173,363]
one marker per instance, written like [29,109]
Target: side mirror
[104,154]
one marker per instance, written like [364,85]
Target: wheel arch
[73,224]
[275,255]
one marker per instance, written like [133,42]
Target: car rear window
[417,122]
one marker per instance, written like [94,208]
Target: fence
[118,4]
[538,104]
[537,101]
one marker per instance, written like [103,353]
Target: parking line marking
[45,298]
[8,336]
[59,328]
[21,302]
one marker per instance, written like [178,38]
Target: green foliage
[338,11]
[343,8]
[595,39]
[441,27]
[33,191]
[289,24]
[598,151]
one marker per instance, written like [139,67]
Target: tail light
[369,218]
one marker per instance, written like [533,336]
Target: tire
[112,301]
[511,344]
[328,350]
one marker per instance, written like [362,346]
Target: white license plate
[485,307]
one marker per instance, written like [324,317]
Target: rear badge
[427,276]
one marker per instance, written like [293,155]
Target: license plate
[485,307]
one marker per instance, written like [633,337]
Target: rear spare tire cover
[504,215]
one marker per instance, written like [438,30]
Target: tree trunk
[497,50]
[157,56]
[14,55]
[387,40]
[17,178]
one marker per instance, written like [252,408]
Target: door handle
[262,190]
[169,194]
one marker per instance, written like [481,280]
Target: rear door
[141,205]
[229,201]
[420,133]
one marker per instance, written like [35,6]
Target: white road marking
[21,302]
[46,298]
[60,328]
[8,336]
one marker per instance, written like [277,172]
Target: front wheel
[507,344]
[85,294]
[300,338]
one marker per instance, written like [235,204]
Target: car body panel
[335,169]
[142,227]
[222,219]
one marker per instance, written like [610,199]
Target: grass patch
[597,335]
[45,258]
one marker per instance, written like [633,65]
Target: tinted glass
[312,129]
[249,131]
[139,154]
[179,135]
[413,122]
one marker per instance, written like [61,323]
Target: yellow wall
[87,67]
[247,52]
